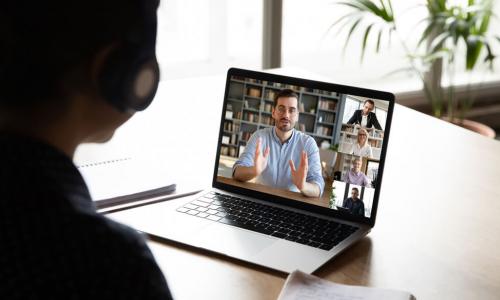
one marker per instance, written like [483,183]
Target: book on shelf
[327,104]
[326,117]
[250,117]
[253,80]
[300,286]
[231,126]
[270,94]
[268,107]
[267,120]
[254,92]
[323,130]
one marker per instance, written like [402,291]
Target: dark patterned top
[53,243]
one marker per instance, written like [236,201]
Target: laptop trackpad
[233,241]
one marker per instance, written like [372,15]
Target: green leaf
[425,34]
[341,19]
[344,24]
[474,46]
[349,34]
[379,38]
[371,7]
[365,39]
[440,54]
[485,22]
[490,57]
[438,41]
[384,9]
[391,11]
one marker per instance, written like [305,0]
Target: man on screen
[354,204]
[365,117]
[355,176]
[281,156]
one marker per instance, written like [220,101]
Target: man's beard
[285,127]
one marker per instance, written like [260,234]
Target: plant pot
[477,127]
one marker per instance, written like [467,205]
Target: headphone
[130,75]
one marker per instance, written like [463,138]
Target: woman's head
[362,136]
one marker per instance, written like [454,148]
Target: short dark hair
[44,43]
[285,93]
[370,101]
[356,189]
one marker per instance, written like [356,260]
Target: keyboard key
[212,211]
[202,215]
[302,241]
[314,244]
[205,199]
[214,218]
[193,212]
[213,206]
[190,206]
[221,214]
[291,238]
[202,209]
[182,209]
[200,203]
[325,247]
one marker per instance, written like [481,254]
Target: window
[351,105]
[381,116]
[202,37]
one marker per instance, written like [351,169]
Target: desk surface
[437,227]
[320,201]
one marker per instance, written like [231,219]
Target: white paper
[302,286]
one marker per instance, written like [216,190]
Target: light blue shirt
[277,172]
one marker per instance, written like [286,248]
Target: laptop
[266,219]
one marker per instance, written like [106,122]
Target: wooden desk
[321,201]
[438,223]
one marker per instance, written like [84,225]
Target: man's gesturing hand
[260,160]
[299,175]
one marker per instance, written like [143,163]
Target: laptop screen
[316,143]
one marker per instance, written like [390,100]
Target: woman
[361,147]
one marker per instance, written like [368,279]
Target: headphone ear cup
[129,80]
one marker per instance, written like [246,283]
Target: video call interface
[315,146]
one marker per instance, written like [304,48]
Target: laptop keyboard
[270,220]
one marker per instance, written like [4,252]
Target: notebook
[124,180]
[267,206]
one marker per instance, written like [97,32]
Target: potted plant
[447,27]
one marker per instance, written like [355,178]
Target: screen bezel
[341,89]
